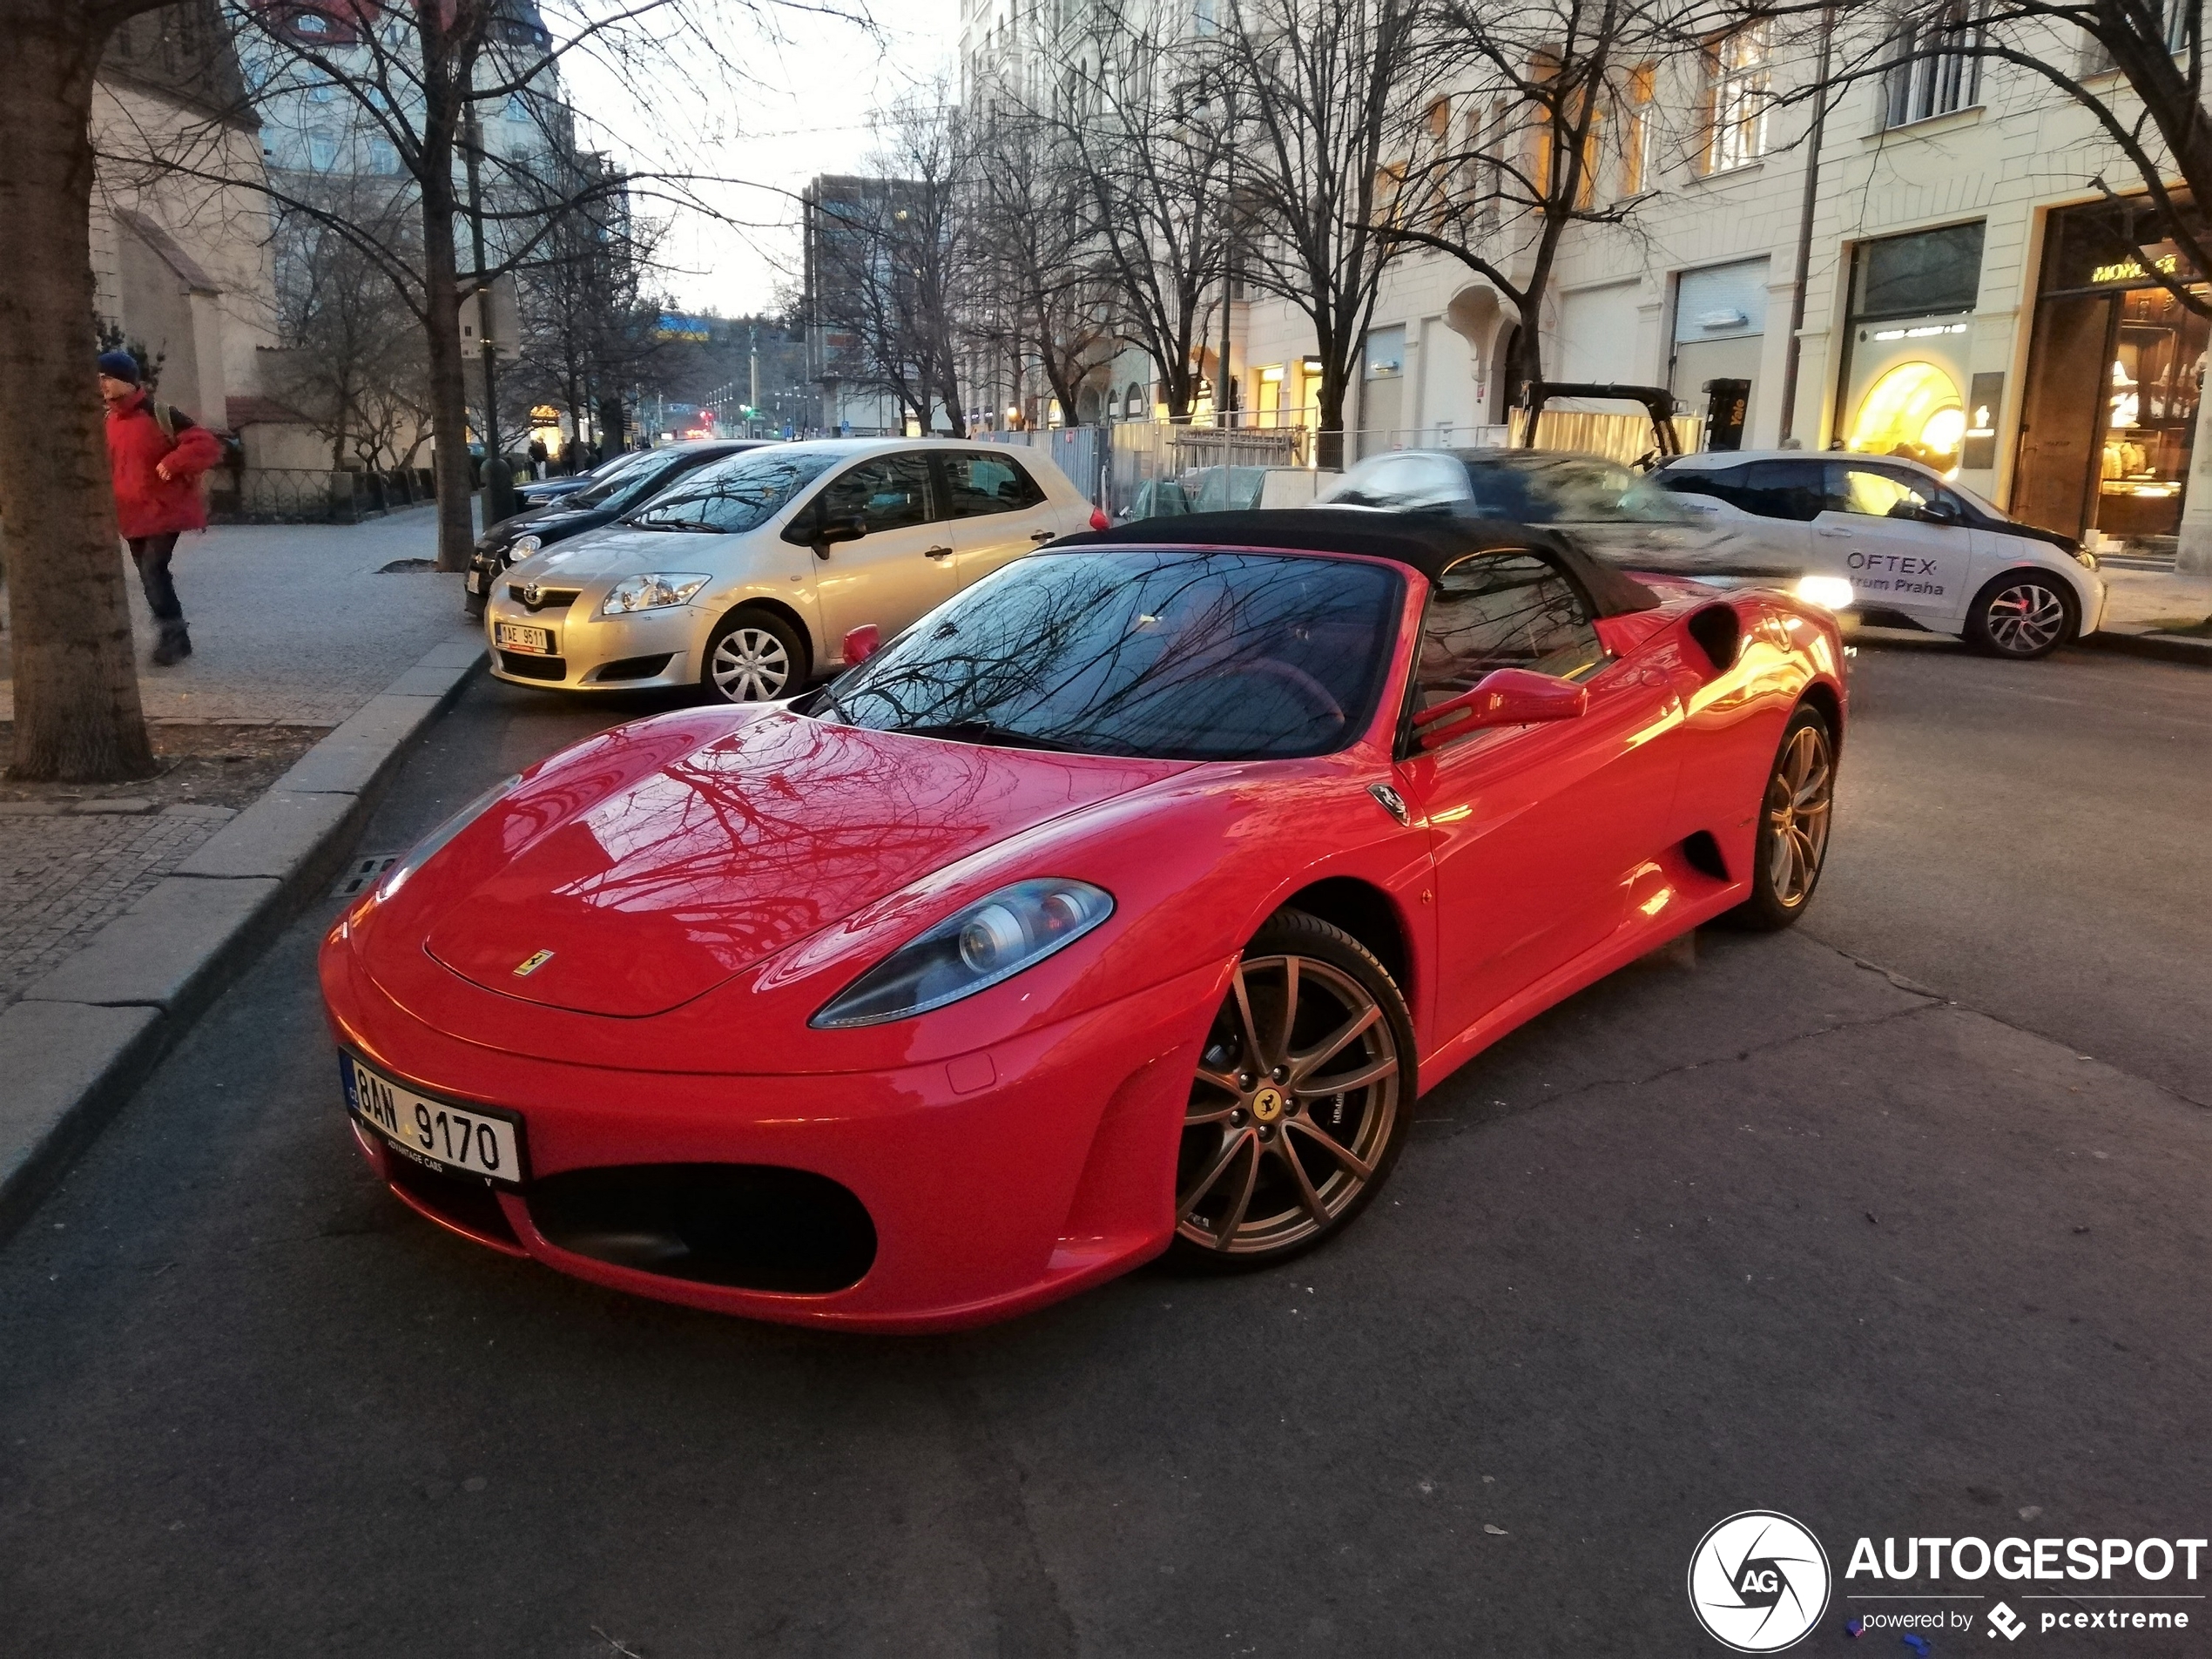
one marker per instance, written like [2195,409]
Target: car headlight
[2087,561]
[427,847]
[523,546]
[1828,592]
[651,592]
[992,940]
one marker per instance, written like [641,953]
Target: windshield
[1570,489]
[630,479]
[1169,654]
[740,494]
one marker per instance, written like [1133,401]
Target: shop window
[1933,69]
[1915,410]
[1928,271]
[1737,71]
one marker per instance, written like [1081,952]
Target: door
[1879,528]
[902,566]
[1536,829]
[996,511]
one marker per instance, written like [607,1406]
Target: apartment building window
[1635,126]
[1933,69]
[1737,70]
[1203,17]
[322,150]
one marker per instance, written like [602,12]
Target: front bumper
[591,652]
[997,1182]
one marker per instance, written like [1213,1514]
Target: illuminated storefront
[1906,379]
[2115,372]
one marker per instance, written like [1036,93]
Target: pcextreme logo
[1759,1582]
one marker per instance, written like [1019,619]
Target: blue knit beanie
[119,365]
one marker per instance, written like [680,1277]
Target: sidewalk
[293,631]
[290,623]
[2155,613]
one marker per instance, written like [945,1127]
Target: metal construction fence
[311,494]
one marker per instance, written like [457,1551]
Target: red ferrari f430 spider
[1123,904]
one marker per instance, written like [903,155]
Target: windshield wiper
[985,733]
[671,524]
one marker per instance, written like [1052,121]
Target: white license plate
[475,582]
[459,1140]
[514,636]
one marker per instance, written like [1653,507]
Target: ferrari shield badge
[531,963]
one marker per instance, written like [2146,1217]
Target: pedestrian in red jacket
[155,455]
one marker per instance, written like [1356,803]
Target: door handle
[1042,536]
[1822,529]
[936,552]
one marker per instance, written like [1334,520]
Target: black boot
[174,645]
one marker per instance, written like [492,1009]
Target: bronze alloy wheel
[1294,1114]
[1797,800]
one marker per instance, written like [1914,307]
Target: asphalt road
[1896,1224]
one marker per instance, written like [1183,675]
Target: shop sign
[1977,451]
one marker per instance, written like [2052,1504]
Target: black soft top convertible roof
[1428,544]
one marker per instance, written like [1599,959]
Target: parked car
[1215,489]
[1915,548]
[1127,905]
[623,490]
[1614,509]
[538,491]
[746,576]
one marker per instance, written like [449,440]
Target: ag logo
[1759,1582]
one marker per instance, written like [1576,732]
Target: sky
[810,82]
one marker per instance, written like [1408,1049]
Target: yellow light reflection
[1915,410]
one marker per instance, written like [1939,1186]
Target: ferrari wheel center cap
[1267,1105]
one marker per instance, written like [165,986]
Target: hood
[661,890]
[616,551]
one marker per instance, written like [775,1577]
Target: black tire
[753,655]
[1263,1130]
[1794,812]
[2023,615]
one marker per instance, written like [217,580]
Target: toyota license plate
[515,636]
[457,1140]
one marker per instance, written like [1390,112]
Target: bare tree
[1553,132]
[1323,94]
[352,362]
[890,259]
[1146,121]
[1043,287]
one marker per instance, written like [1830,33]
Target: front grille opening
[461,1201]
[547,598]
[524,666]
[751,1226]
[634,668]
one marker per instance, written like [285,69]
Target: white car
[1911,547]
[746,579]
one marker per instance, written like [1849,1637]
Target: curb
[82,1038]
[2165,648]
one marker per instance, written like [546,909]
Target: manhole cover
[363,873]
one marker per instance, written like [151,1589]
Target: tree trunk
[449,395]
[77,717]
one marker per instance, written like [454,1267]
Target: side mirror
[838,530]
[862,643]
[1504,697]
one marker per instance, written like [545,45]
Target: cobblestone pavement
[293,628]
[64,876]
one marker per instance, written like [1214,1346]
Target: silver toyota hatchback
[746,577]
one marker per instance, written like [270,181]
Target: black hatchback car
[597,504]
